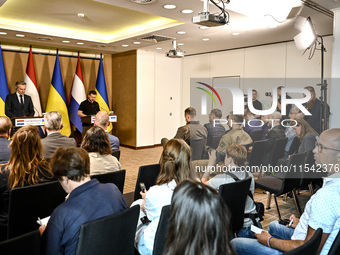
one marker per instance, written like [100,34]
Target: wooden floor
[131,160]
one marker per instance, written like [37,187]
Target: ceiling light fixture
[187,11]
[125,45]
[80,43]
[205,39]
[204,27]
[169,6]
[181,32]
[65,41]
[136,42]
[143,1]
[20,35]
[180,44]
[158,48]
[81,15]
[3,33]
[236,33]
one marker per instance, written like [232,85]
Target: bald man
[5,132]
[102,120]
[321,211]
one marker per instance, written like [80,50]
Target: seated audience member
[254,123]
[214,127]
[199,222]
[25,166]
[277,131]
[175,168]
[289,131]
[102,120]
[236,135]
[54,139]
[307,135]
[88,200]
[97,144]
[236,155]
[288,106]
[5,133]
[321,211]
[193,130]
[265,126]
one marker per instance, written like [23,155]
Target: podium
[23,121]
[91,118]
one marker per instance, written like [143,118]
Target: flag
[31,85]
[56,100]
[3,85]
[77,96]
[102,98]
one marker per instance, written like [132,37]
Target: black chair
[148,175]
[28,244]
[257,154]
[257,135]
[215,141]
[335,248]
[116,154]
[290,181]
[118,178]
[294,147]
[235,195]
[279,150]
[310,247]
[197,148]
[161,236]
[26,204]
[114,234]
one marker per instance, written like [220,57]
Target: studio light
[307,37]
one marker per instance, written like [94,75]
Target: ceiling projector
[174,52]
[208,19]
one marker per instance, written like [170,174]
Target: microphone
[105,110]
[35,109]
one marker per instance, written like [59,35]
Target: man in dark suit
[18,104]
[54,139]
[5,132]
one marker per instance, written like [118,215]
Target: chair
[28,244]
[118,178]
[234,195]
[197,148]
[335,248]
[257,135]
[310,247]
[147,174]
[28,203]
[116,154]
[215,141]
[114,234]
[289,181]
[279,150]
[294,146]
[257,154]
[161,236]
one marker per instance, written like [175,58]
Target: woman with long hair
[25,167]
[97,144]
[175,168]
[306,134]
[199,222]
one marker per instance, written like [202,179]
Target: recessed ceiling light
[158,48]
[272,26]
[180,44]
[136,42]
[204,27]
[236,33]
[81,15]
[205,39]
[65,41]
[187,11]
[181,32]
[3,33]
[80,43]
[20,35]
[125,45]
[169,6]
[44,38]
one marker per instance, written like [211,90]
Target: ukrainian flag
[102,98]
[3,85]
[56,98]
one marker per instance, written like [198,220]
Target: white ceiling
[109,24]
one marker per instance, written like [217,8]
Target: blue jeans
[252,246]
[246,232]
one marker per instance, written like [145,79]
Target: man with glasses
[321,211]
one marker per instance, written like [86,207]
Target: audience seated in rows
[321,211]
[26,166]
[5,133]
[306,134]
[54,139]
[214,127]
[236,155]
[199,222]
[175,168]
[254,123]
[97,144]
[103,120]
[265,127]
[87,200]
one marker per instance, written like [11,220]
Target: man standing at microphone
[88,107]
[18,104]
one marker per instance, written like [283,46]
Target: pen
[291,222]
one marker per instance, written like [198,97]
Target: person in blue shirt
[87,200]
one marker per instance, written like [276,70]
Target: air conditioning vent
[155,38]
[143,1]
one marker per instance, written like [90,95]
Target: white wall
[158,80]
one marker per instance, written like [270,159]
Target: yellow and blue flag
[56,98]
[102,98]
[3,85]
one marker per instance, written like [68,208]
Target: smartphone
[284,221]
[143,189]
